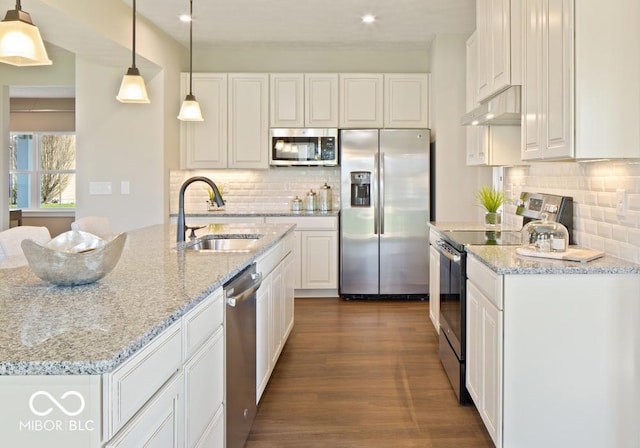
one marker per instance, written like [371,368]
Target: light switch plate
[99,188]
[124,187]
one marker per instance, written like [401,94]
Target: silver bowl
[74,257]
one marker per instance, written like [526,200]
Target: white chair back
[10,250]
[97,225]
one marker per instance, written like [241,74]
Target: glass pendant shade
[20,41]
[133,88]
[190,110]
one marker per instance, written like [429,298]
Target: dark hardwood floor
[363,374]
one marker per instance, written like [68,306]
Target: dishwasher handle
[233,299]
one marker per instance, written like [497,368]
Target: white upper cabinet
[498,41]
[304,100]
[581,96]
[487,145]
[287,100]
[321,100]
[406,100]
[235,130]
[472,72]
[204,143]
[361,100]
[392,100]
[493,145]
[248,120]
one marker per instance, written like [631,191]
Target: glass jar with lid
[296,204]
[325,198]
[545,236]
[311,201]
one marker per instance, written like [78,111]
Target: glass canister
[311,201]
[296,204]
[545,236]
[325,198]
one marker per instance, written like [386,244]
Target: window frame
[36,172]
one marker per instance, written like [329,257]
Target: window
[42,172]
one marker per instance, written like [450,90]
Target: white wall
[310,59]
[116,142]
[455,183]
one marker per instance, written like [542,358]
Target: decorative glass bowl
[74,257]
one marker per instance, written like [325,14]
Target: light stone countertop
[505,260]
[91,329]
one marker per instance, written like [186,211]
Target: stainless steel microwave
[291,147]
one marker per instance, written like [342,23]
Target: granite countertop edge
[106,365]
[504,260]
[259,214]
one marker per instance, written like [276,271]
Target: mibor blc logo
[56,414]
[59,405]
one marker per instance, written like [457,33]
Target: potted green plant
[212,203]
[491,200]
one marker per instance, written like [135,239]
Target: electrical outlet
[621,202]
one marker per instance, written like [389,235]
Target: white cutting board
[571,254]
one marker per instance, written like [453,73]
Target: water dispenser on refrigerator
[361,189]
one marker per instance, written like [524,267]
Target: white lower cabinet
[484,359]
[133,383]
[159,424]
[171,393]
[317,252]
[204,392]
[548,357]
[274,309]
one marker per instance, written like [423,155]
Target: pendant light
[20,40]
[190,110]
[133,89]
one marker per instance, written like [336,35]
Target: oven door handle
[442,249]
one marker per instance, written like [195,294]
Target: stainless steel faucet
[217,198]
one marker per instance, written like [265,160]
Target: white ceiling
[404,23]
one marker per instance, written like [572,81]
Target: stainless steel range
[453,276]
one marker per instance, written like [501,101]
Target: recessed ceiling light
[368,18]
[185,18]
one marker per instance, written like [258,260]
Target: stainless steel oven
[453,276]
[453,316]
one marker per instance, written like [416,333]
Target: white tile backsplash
[254,190]
[593,187]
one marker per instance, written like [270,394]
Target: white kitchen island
[135,358]
[553,349]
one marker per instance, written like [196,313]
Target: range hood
[503,109]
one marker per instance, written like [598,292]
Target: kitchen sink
[224,243]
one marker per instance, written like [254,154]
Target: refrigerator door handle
[374,194]
[381,193]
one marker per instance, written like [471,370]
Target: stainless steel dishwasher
[240,297]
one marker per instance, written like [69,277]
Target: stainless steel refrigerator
[384,211]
